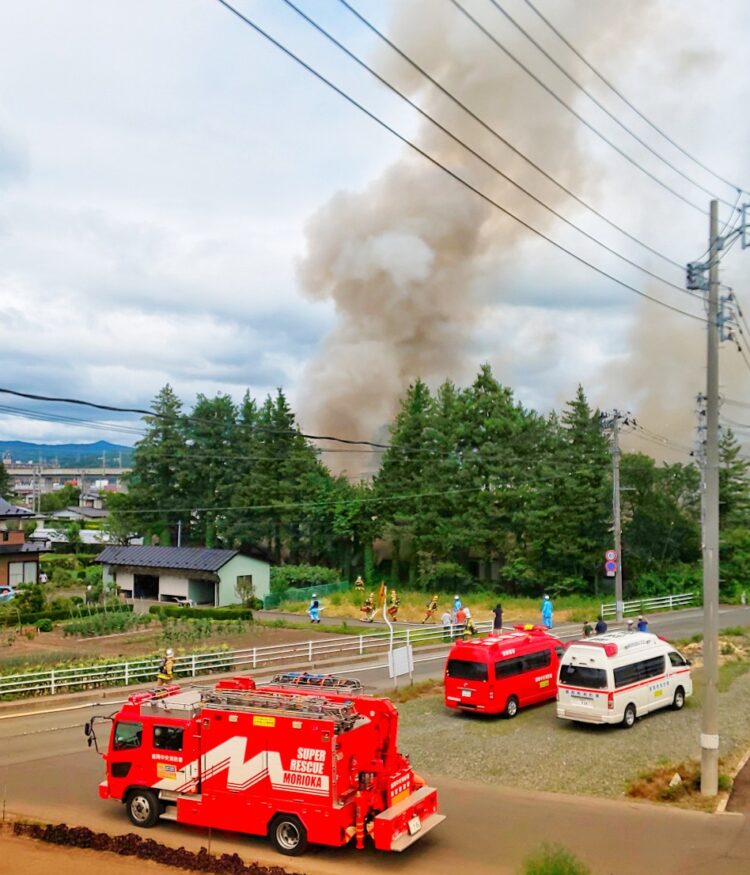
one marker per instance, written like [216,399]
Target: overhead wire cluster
[482,158]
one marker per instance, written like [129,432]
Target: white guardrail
[640,606]
[299,654]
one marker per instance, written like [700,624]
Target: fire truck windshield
[127,735]
[466,670]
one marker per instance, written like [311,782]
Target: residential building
[202,575]
[19,560]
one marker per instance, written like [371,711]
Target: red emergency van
[503,672]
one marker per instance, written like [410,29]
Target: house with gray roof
[19,560]
[180,574]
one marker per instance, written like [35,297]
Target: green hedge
[9,617]
[274,599]
[202,613]
[284,577]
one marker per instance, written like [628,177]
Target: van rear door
[466,680]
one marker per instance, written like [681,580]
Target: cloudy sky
[180,202]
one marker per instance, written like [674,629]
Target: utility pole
[613,421]
[616,513]
[710,715]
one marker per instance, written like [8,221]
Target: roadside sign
[610,568]
[611,555]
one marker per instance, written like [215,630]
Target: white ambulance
[619,676]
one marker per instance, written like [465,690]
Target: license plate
[466,693]
[587,703]
[415,824]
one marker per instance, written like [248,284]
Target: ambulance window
[626,675]
[507,668]
[650,668]
[127,735]
[583,676]
[466,670]
[168,737]
[676,659]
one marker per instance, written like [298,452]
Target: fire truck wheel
[628,718]
[679,699]
[143,808]
[511,707]
[288,835]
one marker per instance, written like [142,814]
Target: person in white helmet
[166,669]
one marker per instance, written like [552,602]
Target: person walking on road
[314,609]
[456,605]
[601,626]
[547,612]
[447,620]
[166,669]
[497,622]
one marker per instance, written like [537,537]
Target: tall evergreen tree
[5,485]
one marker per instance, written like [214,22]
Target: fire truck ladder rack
[343,714]
[317,681]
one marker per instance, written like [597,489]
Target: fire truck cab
[501,673]
[306,758]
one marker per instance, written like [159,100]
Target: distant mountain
[67,455]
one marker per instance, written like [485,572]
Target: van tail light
[611,701]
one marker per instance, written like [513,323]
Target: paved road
[46,772]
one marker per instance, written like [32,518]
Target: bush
[202,613]
[106,624]
[443,575]
[9,615]
[44,625]
[285,577]
[553,860]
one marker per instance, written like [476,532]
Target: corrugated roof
[11,511]
[179,558]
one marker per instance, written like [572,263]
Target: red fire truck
[501,673]
[305,758]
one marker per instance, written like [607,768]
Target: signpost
[610,564]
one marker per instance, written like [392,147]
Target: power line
[494,132]
[570,109]
[601,106]
[485,161]
[622,97]
[447,170]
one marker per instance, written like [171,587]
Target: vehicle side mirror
[87,729]
[689,661]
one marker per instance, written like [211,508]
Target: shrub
[44,625]
[285,577]
[9,615]
[553,860]
[443,575]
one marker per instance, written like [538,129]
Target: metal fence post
[361,644]
[52,682]
[254,656]
[309,651]
[407,637]
[192,664]
[127,673]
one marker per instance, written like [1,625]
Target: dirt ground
[134,644]
[37,858]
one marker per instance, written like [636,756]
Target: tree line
[474,489]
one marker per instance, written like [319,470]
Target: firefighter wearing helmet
[394,605]
[368,608]
[166,669]
[431,609]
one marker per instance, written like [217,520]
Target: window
[467,671]
[677,659]
[583,676]
[508,668]
[168,737]
[651,668]
[21,572]
[560,651]
[535,661]
[639,671]
[127,735]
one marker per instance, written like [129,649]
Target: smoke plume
[405,260]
